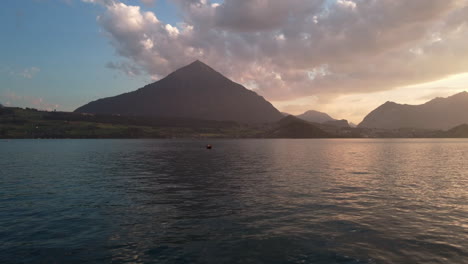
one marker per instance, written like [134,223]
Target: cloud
[127,68]
[299,48]
[261,15]
[29,73]
[15,99]
[346,4]
[148,2]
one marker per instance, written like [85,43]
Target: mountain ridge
[294,127]
[322,118]
[193,91]
[315,116]
[438,113]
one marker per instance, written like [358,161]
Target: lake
[244,201]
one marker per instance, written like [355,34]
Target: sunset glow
[340,57]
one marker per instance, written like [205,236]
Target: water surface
[244,201]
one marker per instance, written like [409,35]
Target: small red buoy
[209,147]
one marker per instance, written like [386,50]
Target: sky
[343,57]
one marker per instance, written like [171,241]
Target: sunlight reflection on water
[259,201]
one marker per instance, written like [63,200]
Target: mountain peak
[199,64]
[315,116]
[461,94]
[195,70]
[440,113]
[194,91]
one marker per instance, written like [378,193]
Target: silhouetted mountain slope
[439,113]
[315,116]
[323,118]
[460,131]
[194,91]
[293,127]
[338,123]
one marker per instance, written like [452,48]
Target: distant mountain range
[30,123]
[460,131]
[315,116]
[197,91]
[194,91]
[293,127]
[322,118]
[438,114]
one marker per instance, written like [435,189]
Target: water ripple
[245,201]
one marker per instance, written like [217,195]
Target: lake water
[244,201]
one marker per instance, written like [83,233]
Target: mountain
[338,123]
[293,127]
[460,131]
[315,116]
[322,118]
[439,113]
[195,91]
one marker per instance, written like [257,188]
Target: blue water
[244,201]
